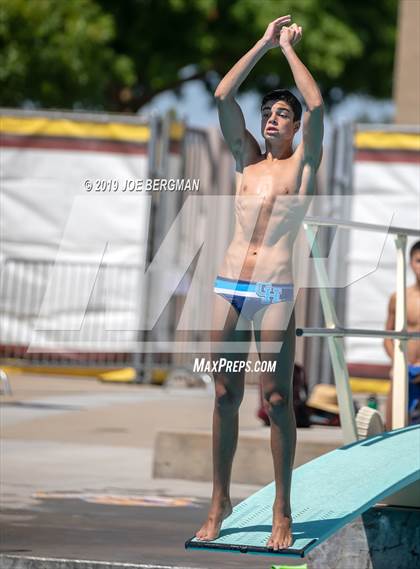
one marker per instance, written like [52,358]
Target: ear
[296,127]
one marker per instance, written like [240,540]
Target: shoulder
[413,291]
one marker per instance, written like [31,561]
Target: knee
[226,400]
[276,402]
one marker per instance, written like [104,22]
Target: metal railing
[335,332]
[23,286]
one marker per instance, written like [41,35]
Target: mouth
[271,130]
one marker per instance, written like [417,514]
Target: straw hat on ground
[324,397]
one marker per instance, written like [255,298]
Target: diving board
[327,493]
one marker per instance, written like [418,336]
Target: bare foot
[281,534]
[219,510]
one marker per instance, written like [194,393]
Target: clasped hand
[279,34]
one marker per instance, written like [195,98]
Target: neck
[279,151]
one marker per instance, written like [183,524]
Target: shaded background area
[106,55]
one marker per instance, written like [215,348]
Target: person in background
[413,346]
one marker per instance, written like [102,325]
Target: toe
[200,534]
[286,543]
[274,544]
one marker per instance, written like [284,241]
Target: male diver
[413,346]
[254,288]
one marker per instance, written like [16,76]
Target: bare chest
[413,310]
[270,180]
[268,202]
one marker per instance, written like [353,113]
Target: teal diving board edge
[327,493]
[232,548]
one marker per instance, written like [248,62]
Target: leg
[278,399]
[229,390]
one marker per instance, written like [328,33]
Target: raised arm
[313,118]
[240,141]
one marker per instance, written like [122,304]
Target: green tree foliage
[58,53]
[119,54]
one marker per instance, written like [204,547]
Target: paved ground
[76,462]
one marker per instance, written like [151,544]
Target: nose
[272,119]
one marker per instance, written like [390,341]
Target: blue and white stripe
[250,289]
[238,288]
